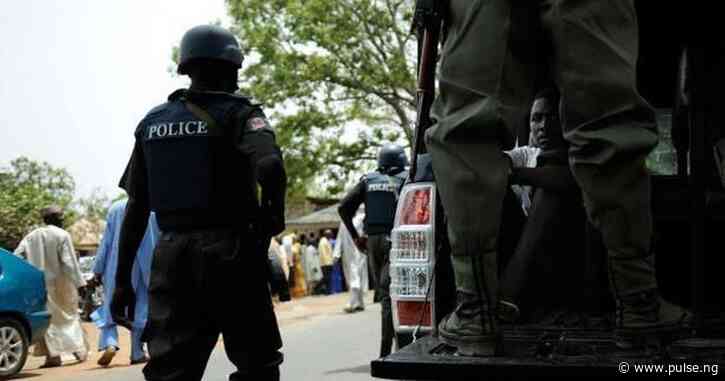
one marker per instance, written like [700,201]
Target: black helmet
[209,42]
[392,155]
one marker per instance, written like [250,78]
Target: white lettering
[152,129]
[162,131]
[201,127]
[381,188]
[186,128]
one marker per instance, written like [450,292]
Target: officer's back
[196,163]
[379,190]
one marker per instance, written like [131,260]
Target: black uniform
[196,163]
[379,191]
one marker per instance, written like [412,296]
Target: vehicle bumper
[583,354]
[39,322]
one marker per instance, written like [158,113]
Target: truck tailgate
[587,355]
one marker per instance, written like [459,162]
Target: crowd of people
[320,263]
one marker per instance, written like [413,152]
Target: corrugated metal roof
[327,217]
[87,234]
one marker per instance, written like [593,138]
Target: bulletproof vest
[196,177]
[381,199]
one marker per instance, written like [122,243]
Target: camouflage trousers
[495,54]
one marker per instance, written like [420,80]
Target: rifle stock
[427,25]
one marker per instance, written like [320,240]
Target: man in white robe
[354,264]
[50,249]
[287,242]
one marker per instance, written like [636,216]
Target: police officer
[379,190]
[490,61]
[196,162]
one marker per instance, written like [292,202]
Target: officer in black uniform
[379,191]
[197,161]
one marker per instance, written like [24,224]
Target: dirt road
[298,311]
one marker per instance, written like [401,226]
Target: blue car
[23,314]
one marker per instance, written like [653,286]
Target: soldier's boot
[471,327]
[645,319]
[507,311]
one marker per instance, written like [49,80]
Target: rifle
[427,22]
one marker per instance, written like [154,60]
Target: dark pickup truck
[678,74]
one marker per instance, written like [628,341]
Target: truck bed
[540,353]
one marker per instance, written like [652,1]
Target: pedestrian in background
[354,263]
[299,289]
[287,242]
[276,250]
[324,249]
[313,272]
[50,249]
[105,266]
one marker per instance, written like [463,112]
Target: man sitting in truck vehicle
[551,199]
[545,135]
[488,67]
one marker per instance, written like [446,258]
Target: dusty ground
[298,311]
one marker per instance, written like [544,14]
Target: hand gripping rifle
[427,22]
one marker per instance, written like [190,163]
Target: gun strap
[201,114]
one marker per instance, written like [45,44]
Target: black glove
[123,306]
[272,213]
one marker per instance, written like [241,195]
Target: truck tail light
[416,207]
[412,313]
[412,258]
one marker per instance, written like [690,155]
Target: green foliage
[336,77]
[26,187]
[95,206]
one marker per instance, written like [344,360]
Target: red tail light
[416,208]
[409,313]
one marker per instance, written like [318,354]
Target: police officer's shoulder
[366,177]
[160,109]
[243,99]
[177,94]
[154,112]
[253,118]
[157,110]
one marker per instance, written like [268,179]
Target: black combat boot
[469,327]
[507,312]
[645,317]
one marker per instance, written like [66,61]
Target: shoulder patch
[257,123]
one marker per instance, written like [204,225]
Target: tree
[339,77]
[26,187]
[93,207]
